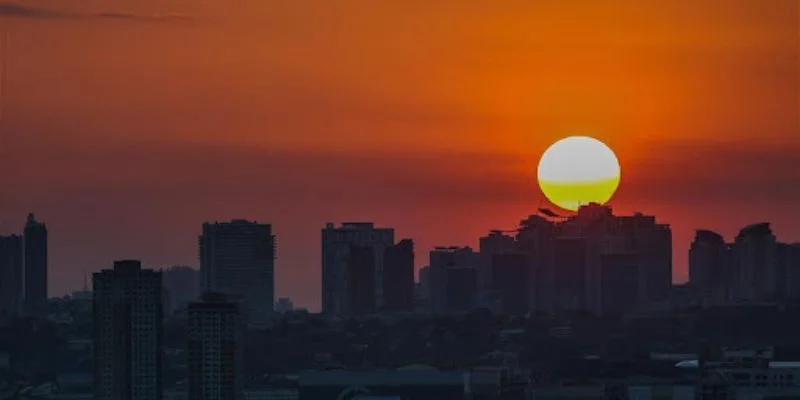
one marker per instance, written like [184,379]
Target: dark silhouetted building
[181,285]
[535,237]
[35,242]
[494,243]
[710,269]
[569,283]
[755,264]
[398,277]
[127,332]
[361,280]
[237,258]
[620,283]
[215,349]
[511,282]
[336,245]
[453,279]
[11,272]
[461,288]
[653,242]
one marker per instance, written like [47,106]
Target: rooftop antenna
[85,282]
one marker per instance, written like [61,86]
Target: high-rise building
[127,332]
[570,272]
[496,242]
[215,349]
[35,242]
[535,238]
[653,242]
[453,279]
[398,277]
[11,281]
[755,263]
[181,286]
[361,280]
[620,283]
[511,282]
[237,258]
[337,243]
[710,271]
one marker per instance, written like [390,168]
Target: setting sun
[578,170]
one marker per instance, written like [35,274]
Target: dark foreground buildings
[127,333]
[216,337]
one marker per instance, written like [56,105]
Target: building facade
[35,242]
[337,243]
[11,275]
[127,332]
[398,277]
[237,258]
[215,349]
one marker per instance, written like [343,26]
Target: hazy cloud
[10,9]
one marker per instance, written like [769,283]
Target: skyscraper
[11,269]
[35,242]
[453,279]
[215,349]
[710,271]
[337,243]
[755,263]
[398,277]
[127,332]
[181,285]
[237,258]
[361,280]
[511,282]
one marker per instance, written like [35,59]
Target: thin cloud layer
[9,9]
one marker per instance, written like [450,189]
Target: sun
[578,170]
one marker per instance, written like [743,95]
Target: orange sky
[128,124]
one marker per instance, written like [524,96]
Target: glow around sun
[578,170]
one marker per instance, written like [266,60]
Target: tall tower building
[237,258]
[398,277]
[337,243]
[453,279]
[535,238]
[181,286]
[215,349]
[755,263]
[127,332]
[710,271]
[11,282]
[35,243]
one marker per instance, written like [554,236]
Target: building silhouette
[621,282]
[237,258]
[710,266]
[361,265]
[127,332]
[755,263]
[453,279]
[181,287]
[35,242]
[510,281]
[398,277]
[215,349]
[11,275]
[337,263]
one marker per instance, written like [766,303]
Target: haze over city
[128,125]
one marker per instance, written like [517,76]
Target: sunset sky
[128,124]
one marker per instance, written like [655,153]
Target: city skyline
[727,240]
[342,113]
